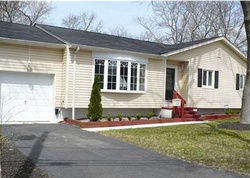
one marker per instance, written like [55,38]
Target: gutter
[103,49]
[74,83]
[33,43]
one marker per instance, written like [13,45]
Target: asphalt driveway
[66,151]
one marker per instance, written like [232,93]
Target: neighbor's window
[121,75]
[207,78]
[99,70]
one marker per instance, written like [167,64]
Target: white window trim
[207,86]
[118,75]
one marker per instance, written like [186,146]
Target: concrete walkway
[66,151]
[97,129]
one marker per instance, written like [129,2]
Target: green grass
[200,143]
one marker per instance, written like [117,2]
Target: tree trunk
[245,112]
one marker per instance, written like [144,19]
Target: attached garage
[26,97]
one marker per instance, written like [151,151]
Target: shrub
[232,111]
[95,103]
[119,115]
[129,118]
[109,117]
[138,116]
[149,115]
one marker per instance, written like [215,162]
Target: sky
[112,13]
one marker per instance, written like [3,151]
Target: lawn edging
[84,124]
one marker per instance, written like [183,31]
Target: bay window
[117,75]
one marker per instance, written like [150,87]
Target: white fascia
[223,39]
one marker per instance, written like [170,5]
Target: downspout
[165,65]
[67,76]
[74,84]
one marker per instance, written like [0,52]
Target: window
[99,70]
[133,79]
[240,81]
[124,76]
[142,77]
[121,75]
[112,67]
[208,78]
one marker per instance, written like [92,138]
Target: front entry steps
[190,113]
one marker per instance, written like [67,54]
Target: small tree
[95,102]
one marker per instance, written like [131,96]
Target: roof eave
[33,43]
[206,43]
[102,49]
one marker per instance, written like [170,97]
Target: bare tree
[182,21]
[85,21]
[120,31]
[25,12]
[245,112]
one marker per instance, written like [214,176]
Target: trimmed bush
[129,118]
[95,104]
[233,111]
[119,115]
[138,116]
[150,114]
[109,117]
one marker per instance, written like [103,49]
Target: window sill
[120,91]
[208,87]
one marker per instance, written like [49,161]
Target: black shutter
[237,81]
[199,78]
[216,79]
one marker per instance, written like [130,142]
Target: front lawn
[201,143]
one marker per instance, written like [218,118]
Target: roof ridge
[100,33]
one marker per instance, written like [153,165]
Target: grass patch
[201,143]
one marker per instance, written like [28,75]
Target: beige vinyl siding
[228,65]
[84,77]
[43,60]
[153,98]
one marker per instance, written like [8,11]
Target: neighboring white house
[46,73]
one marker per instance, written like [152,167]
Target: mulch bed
[15,164]
[120,123]
[234,126]
[89,124]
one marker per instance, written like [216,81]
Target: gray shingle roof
[25,32]
[115,42]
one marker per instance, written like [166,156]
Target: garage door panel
[26,97]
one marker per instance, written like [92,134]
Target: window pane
[204,77]
[133,79]
[142,77]
[99,70]
[210,77]
[112,66]
[242,81]
[124,76]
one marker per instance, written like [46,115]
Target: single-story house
[46,73]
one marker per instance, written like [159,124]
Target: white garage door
[26,97]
